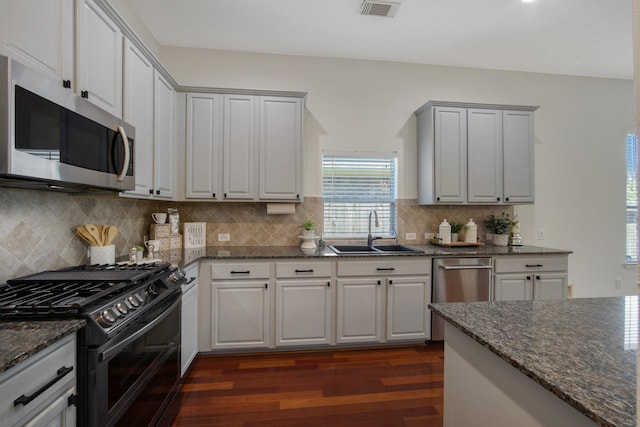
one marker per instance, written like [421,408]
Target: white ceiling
[573,37]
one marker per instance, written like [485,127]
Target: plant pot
[454,237]
[307,234]
[500,239]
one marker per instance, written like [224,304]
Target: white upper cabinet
[475,153]
[204,146]
[518,146]
[138,111]
[280,145]
[164,155]
[99,57]
[244,147]
[239,147]
[40,34]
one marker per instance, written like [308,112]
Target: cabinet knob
[214,195]
[329,284]
[379,283]
[391,282]
[158,192]
[297,196]
[66,84]
[151,192]
[437,199]
[498,199]
[506,199]
[528,277]
[84,94]
[537,277]
[225,195]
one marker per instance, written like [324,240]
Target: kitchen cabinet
[475,153]
[52,407]
[240,305]
[40,35]
[530,278]
[98,57]
[149,106]
[303,303]
[244,147]
[280,148]
[189,324]
[379,300]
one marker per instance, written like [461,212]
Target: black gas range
[129,353]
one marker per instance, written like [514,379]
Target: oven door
[137,375]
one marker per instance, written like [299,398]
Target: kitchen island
[539,363]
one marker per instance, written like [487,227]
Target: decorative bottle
[471,232]
[444,232]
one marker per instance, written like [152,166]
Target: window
[632,198]
[353,185]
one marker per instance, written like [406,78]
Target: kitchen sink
[371,250]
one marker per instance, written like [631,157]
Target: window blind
[353,185]
[632,198]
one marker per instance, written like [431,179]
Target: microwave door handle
[125,164]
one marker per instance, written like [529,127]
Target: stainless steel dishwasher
[459,280]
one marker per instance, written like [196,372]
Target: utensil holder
[102,254]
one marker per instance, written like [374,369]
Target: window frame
[631,200]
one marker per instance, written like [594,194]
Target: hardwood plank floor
[385,387]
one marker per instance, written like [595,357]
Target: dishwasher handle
[467,267]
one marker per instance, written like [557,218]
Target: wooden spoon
[84,233]
[93,231]
[112,232]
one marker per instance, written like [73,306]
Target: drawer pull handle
[386,269]
[25,400]
[304,271]
[241,272]
[533,265]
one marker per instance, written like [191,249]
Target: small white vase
[308,234]
[500,239]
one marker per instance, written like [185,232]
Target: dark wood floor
[386,387]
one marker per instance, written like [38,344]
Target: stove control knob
[122,308]
[106,319]
[139,297]
[133,301]
[153,290]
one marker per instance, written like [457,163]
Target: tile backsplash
[38,228]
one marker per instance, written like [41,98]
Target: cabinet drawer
[32,375]
[303,269]
[240,270]
[384,267]
[539,263]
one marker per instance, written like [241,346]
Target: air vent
[379,8]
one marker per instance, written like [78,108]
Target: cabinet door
[518,143]
[138,111]
[99,57]
[513,287]
[280,146]
[40,34]
[204,146]
[240,314]
[450,149]
[189,348]
[239,147]
[303,312]
[484,148]
[359,310]
[550,286]
[164,175]
[58,413]
[407,314]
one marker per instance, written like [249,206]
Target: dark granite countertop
[582,350]
[20,340]
[278,252]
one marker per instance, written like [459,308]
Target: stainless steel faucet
[370,237]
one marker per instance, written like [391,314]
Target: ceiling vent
[379,8]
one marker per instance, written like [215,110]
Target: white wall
[367,105]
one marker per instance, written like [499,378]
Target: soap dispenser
[471,232]
[444,232]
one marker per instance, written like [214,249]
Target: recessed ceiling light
[528,1]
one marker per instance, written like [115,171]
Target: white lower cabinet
[303,303]
[240,305]
[530,278]
[383,300]
[189,329]
[52,407]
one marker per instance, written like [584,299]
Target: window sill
[630,265]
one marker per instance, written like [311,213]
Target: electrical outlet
[410,236]
[489,237]
[224,237]
[429,236]
[540,234]
[618,283]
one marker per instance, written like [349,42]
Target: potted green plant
[308,228]
[456,228]
[500,226]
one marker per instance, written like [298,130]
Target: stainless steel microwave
[51,138]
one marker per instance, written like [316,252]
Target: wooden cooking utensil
[112,232]
[93,230]
[86,236]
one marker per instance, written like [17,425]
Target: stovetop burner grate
[93,273]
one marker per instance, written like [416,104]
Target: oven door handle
[131,338]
